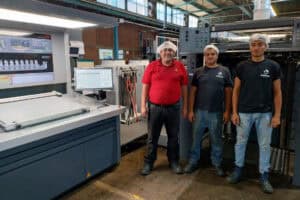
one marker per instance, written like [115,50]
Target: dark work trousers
[158,116]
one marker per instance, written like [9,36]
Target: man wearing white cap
[164,82]
[210,106]
[256,96]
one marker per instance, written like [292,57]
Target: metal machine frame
[127,92]
[287,54]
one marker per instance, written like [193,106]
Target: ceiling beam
[246,11]
[183,4]
[224,18]
[197,5]
[243,9]
[192,2]
[223,11]
[213,3]
[279,1]
[217,11]
[292,13]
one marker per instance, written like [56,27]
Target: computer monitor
[93,79]
[74,52]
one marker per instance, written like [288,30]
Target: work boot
[235,176]
[219,171]
[190,168]
[147,169]
[265,183]
[176,168]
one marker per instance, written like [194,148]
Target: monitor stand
[101,98]
[101,95]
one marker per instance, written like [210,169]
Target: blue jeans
[214,122]
[264,133]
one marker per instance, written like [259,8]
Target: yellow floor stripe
[117,191]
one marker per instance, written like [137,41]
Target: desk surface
[19,137]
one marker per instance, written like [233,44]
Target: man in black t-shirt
[257,89]
[211,89]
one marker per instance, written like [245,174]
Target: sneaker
[235,176]
[267,187]
[147,169]
[176,168]
[190,168]
[265,183]
[219,171]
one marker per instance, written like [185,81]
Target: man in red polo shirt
[164,82]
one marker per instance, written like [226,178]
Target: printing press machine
[54,143]
[50,142]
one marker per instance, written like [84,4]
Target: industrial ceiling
[220,11]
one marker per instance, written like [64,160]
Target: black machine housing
[233,42]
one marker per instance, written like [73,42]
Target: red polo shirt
[165,82]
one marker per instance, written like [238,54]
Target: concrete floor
[124,182]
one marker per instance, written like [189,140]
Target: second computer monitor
[93,79]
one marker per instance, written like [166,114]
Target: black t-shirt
[256,93]
[210,83]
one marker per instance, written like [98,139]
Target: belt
[165,105]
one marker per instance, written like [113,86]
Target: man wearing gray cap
[256,96]
[164,82]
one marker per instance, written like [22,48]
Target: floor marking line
[117,191]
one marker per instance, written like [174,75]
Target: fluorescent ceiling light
[277,35]
[262,30]
[273,12]
[247,38]
[240,38]
[11,32]
[18,16]
[200,13]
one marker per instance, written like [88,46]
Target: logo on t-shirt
[266,73]
[220,75]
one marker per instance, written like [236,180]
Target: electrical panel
[190,61]
[193,40]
